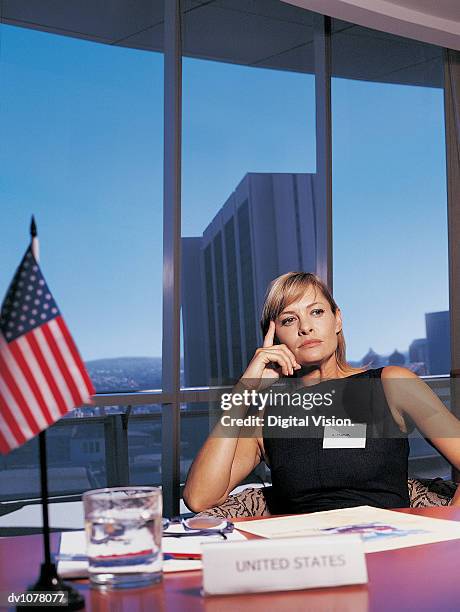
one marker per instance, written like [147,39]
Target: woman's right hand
[269,362]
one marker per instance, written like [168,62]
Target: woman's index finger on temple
[270,335]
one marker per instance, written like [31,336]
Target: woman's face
[309,319]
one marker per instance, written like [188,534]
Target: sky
[82,149]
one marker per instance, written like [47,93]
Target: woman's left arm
[408,394]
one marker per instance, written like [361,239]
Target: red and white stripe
[42,377]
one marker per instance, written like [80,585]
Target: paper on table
[74,543]
[380,529]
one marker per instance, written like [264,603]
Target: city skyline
[91,171]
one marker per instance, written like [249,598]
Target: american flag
[42,376]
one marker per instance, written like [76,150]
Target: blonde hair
[289,288]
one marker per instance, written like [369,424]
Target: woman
[303,339]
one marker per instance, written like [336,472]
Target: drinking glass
[123,536]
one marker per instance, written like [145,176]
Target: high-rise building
[438,341]
[418,351]
[268,226]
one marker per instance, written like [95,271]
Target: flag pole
[49,579]
[47,565]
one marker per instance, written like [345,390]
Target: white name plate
[283,564]
[345,436]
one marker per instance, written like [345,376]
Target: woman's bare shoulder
[394,371]
[394,391]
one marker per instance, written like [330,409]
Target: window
[82,149]
[389,199]
[76,462]
[248,158]
[390,209]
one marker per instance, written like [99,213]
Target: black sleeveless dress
[308,478]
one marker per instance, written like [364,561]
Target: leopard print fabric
[252,502]
[424,493]
[249,502]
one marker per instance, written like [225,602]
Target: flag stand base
[50,582]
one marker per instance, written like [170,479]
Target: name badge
[345,436]
[256,566]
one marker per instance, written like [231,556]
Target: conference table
[418,578]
